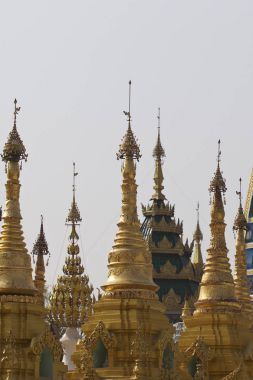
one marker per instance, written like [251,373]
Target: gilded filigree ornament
[10,357]
[203,354]
[240,373]
[71,301]
[47,339]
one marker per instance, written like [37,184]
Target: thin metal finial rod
[197,209]
[74,178]
[41,219]
[129,100]
[239,193]
[219,151]
[128,113]
[159,120]
[16,111]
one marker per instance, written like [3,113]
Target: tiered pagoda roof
[173,270]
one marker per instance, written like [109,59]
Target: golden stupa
[128,335]
[29,351]
[217,343]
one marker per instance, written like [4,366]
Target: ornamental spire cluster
[40,249]
[217,285]
[71,298]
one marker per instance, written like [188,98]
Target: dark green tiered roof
[173,270]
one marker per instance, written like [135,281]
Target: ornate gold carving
[203,354]
[11,353]
[240,373]
[168,269]
[108,339]
[172,301]
[47,339]
[131,293]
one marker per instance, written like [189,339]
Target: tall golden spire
[129,262]
[197,255]
[15,263]
[217,285]
[40,249]
[71,298]
[241,281]
[158,154]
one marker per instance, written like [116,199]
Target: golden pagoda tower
[128,336]
[29,351]
[216,340]
[197,259]
[242,291]
[71,300]
[40,249]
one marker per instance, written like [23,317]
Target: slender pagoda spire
[15,263]
[197,259]
[217,285]
[158,154]
[241,282]
[129,261]
[71,298]
[40,249]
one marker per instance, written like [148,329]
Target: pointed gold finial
[241,281]
[217,285]
[218,182]
[74,216]
[197,236]
[197,260]
[158,154]
[40,249]
[71,300]
[187,310]
[240,220]
[129,147]
[14,150]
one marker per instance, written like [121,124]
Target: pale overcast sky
[68,63]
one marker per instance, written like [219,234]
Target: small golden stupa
[71,301]
[29,350]
[217,341]
[128,336]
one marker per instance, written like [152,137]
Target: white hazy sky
[69,62]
